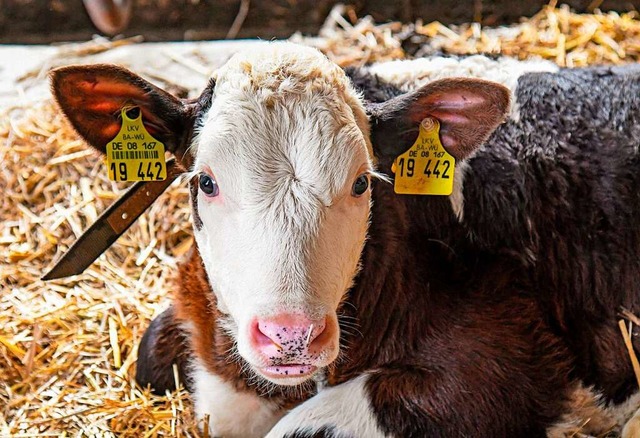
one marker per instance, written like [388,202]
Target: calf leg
[340,411]
[163,345]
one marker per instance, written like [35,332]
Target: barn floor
[68,347]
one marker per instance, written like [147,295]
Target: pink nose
[290,338]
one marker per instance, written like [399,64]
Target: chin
[287,375]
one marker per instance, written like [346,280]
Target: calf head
[279,158]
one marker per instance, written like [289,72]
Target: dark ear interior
[92,97]
[468,109]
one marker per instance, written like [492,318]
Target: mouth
[288,373]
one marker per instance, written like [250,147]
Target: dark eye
[208,185]
[360,185]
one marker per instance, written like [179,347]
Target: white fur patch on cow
[412,74]
[345,408]
[232,414]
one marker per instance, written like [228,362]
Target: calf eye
[208,185]
[360,185]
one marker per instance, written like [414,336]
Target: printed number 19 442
[436,170]
[146,171]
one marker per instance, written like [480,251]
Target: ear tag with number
[426,168]
[133,154]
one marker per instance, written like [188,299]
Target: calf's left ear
[92,97]
[468,110]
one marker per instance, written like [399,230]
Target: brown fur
[465,344]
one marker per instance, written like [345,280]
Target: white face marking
[285,139]
[345,407]
[231,413]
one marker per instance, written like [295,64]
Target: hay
[68,347]
[555,33]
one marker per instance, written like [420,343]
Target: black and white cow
[319,303]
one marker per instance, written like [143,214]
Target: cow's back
[569,202]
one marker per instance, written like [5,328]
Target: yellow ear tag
[426,168]
[133,154]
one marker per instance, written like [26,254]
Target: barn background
[68,347]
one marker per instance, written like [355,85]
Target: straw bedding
[68,347]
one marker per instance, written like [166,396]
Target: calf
[317,302]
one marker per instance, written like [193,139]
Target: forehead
[286,116]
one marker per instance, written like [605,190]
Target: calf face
[279,155]
[282,166]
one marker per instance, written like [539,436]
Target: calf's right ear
[92,97]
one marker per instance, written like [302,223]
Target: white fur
[457,197]
[231,413]
[345,407]
[286,137]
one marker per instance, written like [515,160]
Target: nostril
[261,336]
[320,337]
